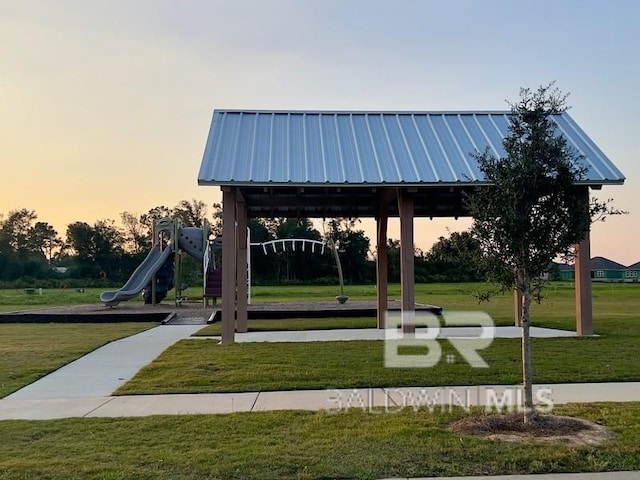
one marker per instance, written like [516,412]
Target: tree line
[106,252]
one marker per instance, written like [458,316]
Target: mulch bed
[546,428]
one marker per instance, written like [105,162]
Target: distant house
[602,270]
[632,273]
[565,272]
[605,270]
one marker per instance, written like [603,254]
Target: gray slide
[139,279]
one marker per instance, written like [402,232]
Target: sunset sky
[105,105]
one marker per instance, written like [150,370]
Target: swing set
[282,245]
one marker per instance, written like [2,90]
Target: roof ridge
[365,112]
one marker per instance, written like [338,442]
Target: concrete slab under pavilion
[364,164]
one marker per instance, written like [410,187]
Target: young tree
[533,210]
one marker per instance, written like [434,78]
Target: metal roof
[305,148]
[599,263]
[602,263]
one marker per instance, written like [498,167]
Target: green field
[30,351]
[205,366]
[556,309]
[611,301]
[307,445]
[17,299]
[299,445]
[201,366]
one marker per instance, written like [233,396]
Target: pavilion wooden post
[517,307]
[407,253]
[584,307]
[228,264]
[381,268]
[241,265]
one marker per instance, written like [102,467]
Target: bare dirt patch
[544,428]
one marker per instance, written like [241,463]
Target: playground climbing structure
[161,270]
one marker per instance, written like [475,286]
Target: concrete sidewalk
[103,371]
[83,388]
[336,335]
[331,400]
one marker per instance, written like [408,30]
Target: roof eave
[201,182]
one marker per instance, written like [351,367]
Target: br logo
[470,332]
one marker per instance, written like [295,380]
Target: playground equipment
[212,272]
[161,269]
[272,245]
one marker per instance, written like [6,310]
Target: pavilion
[326,164]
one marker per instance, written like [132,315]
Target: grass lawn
[16,299]
[30,351]
[204,366]
[299,445]
[295,324]
[320,445]
[612,302]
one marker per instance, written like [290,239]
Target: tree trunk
[527,372]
